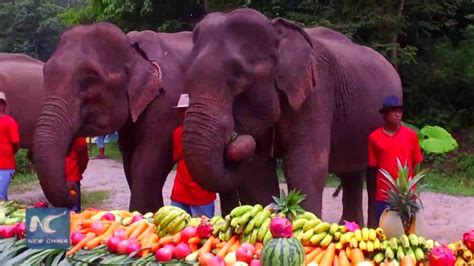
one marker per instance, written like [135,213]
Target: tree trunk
[395,44]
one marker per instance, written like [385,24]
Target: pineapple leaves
[289,205]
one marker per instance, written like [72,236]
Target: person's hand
[72,188]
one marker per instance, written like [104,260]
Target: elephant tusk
[233,137]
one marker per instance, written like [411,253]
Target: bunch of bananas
[463,254]
[365,239]
[169,220]
[412,245]
[310,230]
[250,222]
[11,212]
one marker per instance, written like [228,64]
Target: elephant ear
[146,83]
[296,67]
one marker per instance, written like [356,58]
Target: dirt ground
[446,217]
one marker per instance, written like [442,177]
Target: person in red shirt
[9,145]
[186,193]
[76,164]
[386,144]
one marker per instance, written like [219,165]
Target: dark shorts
[196,211]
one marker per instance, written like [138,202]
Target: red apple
[122,247]
[187,233]
[245,253]
[255,262]
[216,261]
[164,254]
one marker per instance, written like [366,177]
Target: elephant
[21,79]
[100,80]
[263,89]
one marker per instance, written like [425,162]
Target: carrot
[235,246]
[320,257]
[193,247]
[311,256]
[154,247]
[343,260]
[335,262]
[329,257]
[81,244]
[149,244]
[88,222]
[207,247]
[258,248]
[219,245]
[102,238]
[129,230]
[176,238]
[139,230]
[357,256]
[150,229]
[223,251]
[194,240]
[308,250]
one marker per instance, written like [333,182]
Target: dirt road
[446,217]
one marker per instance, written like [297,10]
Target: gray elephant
[100,80]
[21,79]
[263,89]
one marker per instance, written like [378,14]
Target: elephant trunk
[53,134]
[207,132]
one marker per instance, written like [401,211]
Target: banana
[377,244]
[379,231]
[257,208]
[333,229]
[243,220]
[309,216]
[262,217]
[179,227]
[297,234]
[358,235]
[215,220]
[263,229]
[322,227]
[372,234]
[409,251]
[342,229]
[307,235]
[310,224]
[429,244]
[170,228]
[389,254]
[315,239]
[413,240]
[244,238]
[2,218]
[419,254]
[394,243]
[299,223]
[250,226]
[370,246]
[379,257]
[240,210]
[168,218]
[228,233]
[363,245]
[460,262]
[253,236]
[326,241]
[400,253]
[467,255]
[339,246]
[267,237]
[354,243]
[405,241]
[385,244]
[346,238]
[337,236]
[421,241]
[195,221]
[365,234]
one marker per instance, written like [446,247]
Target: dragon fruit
[281,227]
[204,229]
[442,256]
[351,226]
[40,204]
[20,230]
[468,239]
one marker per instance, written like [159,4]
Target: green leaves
[289,205]
[435,139]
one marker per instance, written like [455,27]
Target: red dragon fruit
[40,204]
[442,256]
[281,227]
[351,226]
[468,239]
[204,229]
[20,230]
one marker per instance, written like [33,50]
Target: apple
[216,261]
[164,254]
[122,247]
[245,253]
[255,262]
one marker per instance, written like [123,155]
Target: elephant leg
[352,187]
[228,201]
[150,166]
[260,182]
[127,151]
[371,190]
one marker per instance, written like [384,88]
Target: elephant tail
[338,189]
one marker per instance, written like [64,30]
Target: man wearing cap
[186,193]
[386,144]
[9,145]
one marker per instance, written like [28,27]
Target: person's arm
[417,156]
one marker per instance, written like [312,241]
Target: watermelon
[283,252]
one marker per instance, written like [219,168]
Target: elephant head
[243,71]
[97,80]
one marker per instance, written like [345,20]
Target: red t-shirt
[9,136]
[185,190]
[384,151]
[76,160]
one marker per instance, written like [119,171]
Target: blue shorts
[380,206]
[5,179]
[196,211]
[100,141]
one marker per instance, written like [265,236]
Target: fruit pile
[463,249]
[11,212]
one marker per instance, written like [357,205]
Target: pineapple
[288,205]
[403,195]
